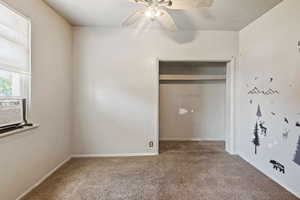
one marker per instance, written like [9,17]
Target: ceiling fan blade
[167,21]
[144,2]
[187,4]
[132,19]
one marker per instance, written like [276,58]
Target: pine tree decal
[256,138]
[297,156]
[258,113]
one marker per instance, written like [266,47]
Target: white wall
[116,83]
[268,48]
[27,157]
[192,111]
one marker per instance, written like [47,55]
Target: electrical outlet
[151,144]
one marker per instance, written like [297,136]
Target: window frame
[10,68]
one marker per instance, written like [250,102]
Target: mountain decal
[256,91]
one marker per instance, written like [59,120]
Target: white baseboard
[275,180]
[43,178]
[113,155]
[191,139]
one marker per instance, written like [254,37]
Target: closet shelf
[173,77]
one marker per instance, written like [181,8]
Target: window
[15,54]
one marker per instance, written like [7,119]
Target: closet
[192,100]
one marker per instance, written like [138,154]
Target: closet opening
[196,101]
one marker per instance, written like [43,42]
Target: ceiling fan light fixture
[152,12]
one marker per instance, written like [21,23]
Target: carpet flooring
[183,171]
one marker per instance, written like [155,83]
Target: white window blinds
[15,53]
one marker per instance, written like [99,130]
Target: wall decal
[255,141]
[285,134]
[297,155]
[263,129]
[278,166]
[298,124]
[270,92]
[286,120]
[183,111]
[256,91]
[258,113]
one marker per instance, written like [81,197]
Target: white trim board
[18,131]
[192,139]
[44,178]
[113,155]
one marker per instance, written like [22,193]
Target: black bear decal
[278,166]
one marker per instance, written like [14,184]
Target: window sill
[18,131]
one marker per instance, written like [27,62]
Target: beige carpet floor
[183,171]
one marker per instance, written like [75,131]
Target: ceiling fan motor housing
[158,10]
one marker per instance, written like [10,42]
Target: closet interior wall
[192,101]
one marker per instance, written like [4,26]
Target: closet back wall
[116,83]
[192,110]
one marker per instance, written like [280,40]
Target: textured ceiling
[223,15]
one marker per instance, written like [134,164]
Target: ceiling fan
[158,10]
